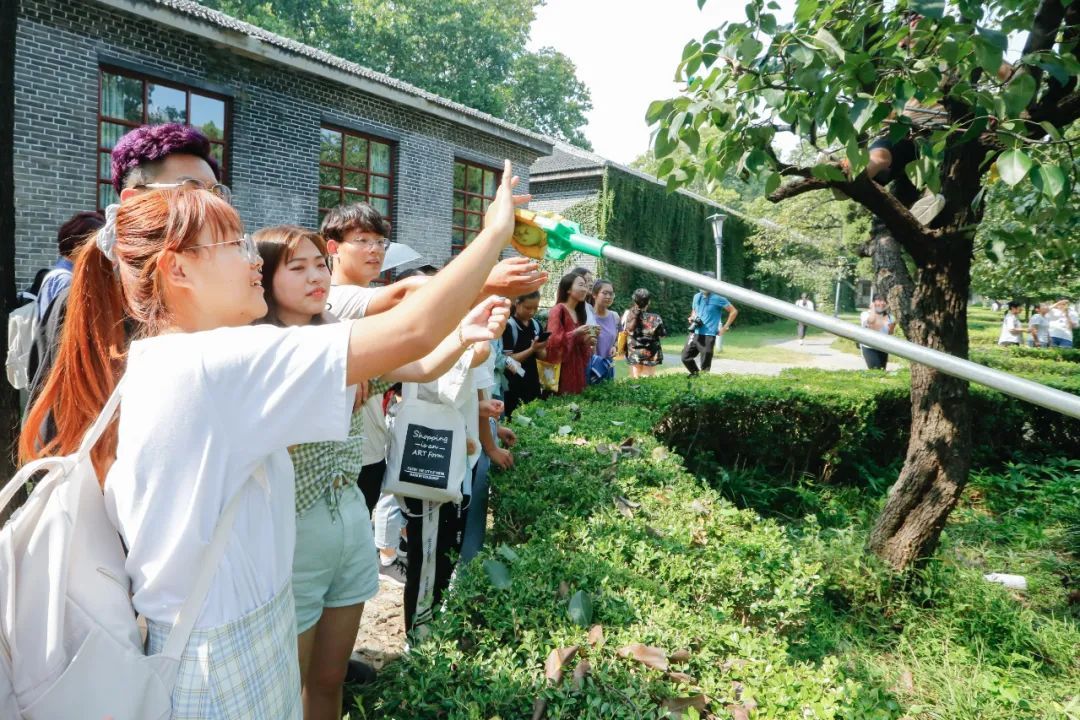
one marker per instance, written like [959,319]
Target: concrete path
[818,349]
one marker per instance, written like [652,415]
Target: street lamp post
[717,223]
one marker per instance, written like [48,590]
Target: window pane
[487,204]
[121,97]
[166,105]
[489,183]
[475,204]
[459,200]
[380,185]
[105,166]
[476,180]
[111,132]
[330,146]
[329,198]
[459,218]
[329,175]
[458,236]
[382,205]
[356,181]
[208,115]
[459,176]
[472,221]
[380,157]
[356,152]
[218,153]
[470,235]
[106,195]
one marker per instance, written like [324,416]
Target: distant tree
[469,51]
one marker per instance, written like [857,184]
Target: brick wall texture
[276,113]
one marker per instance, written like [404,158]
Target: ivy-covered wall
[644,217]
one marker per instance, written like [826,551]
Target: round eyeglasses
[219,189]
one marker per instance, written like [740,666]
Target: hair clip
[106,237]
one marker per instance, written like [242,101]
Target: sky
[626,52]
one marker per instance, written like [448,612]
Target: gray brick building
[297,129]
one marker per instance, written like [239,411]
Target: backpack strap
[98,428]
[189,611]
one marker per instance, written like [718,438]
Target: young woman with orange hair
[206,400]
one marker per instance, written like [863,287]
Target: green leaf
[827,41]
[862,111]
[828,172]
[1013,166]
[663,145]
[772,182]
[580,609]
[768,24]
[749,48]
[692,139]
[928,8]
[666,167]
[805,9]
[498,574]
[987,55]
[657,109]
[1018,94]
[1050,180]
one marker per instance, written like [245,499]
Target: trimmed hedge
[599,522]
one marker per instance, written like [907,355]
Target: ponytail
[88,364]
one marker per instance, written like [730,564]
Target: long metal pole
[1032,392]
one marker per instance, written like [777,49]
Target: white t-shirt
[1041,325]
[804,304]
[200,411]
[1059,327]
[350,302]
[1010,323]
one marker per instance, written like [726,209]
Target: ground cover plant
[637,570]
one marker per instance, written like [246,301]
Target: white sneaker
[928,207]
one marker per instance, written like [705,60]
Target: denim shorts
[335,563]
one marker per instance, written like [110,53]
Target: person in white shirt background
[1012,330]
[206,400]
[1063,320]
[1039,326]
[877,318]
[805,303]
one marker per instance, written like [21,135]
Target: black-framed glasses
[219,189]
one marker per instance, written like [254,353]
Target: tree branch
[1057,92]
[1044,32]
[908,231]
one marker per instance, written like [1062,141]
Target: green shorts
[335,563]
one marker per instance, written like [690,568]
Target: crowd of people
[1049,325]
[267,372]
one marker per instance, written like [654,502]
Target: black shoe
[403,549]
[394,572]
[359,672]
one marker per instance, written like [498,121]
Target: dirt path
[818,348]
[382,629]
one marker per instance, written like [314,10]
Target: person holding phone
[524,341]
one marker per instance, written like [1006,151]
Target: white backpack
[22,321]
[69,642]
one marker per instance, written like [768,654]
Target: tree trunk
[891,276]
[939,451]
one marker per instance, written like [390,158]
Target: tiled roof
[194,11]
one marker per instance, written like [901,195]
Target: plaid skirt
[247,669]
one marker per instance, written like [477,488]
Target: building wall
[275,118]
[557,195]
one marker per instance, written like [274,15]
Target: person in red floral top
[572,340]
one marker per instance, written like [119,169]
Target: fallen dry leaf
[681,678]
[596,636]
[680,656]
[580,442]
[580,672]
[539,708]
[565,430]
[699,538]
[648,656]
[653,532]
[556,661]
[660,453]
[699,508]
[675,707]
[564,589]
[907,682]
[738,712]
[623,507]
[603,449]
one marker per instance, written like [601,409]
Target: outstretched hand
[514,277]
[500,214]
[486,321]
